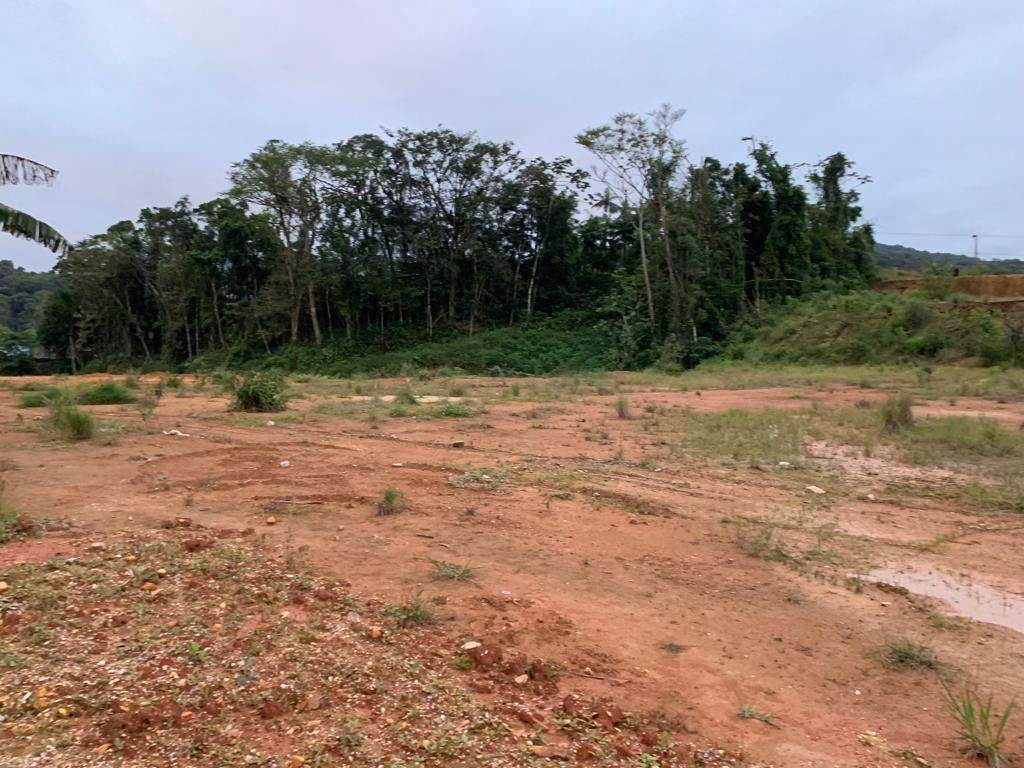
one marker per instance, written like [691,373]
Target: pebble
[397,464]
[3,586]
[271,520]
[269,423]
[815,489]
[376,632]
[522,679]
[285,464]
[467,646]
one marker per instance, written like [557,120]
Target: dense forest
[22,295]
[902,257]
[412,236]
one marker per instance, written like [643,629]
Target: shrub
[391,503]
[905,654]
[34,400]
[622,407]
[172,381]
[405,396]
[70,422]
[261,391]
[105,393]
[897,414]
[452,411]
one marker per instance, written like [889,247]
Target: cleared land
[658,570]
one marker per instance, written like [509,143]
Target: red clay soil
[625,572]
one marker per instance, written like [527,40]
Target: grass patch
[747,712]
[391,503]
[405,396]
[482,477]
[451,411]
[412,612]
[444,571]
[36,399]
[897,413]
[906,654]
[981,728]
[768,435]
[262,392]
[69,421]
[622,407]
[105,393]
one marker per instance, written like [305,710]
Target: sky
[138,103]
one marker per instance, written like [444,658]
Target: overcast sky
[140,102]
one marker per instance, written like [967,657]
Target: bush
[452,411]
[897,414]
[70,422]
[34,399]
[172,381]
[391,503]
[105,393]
[261,391]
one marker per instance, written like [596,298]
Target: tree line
[422,234]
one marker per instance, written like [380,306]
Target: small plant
[405,396]
[106,393]
[262,391]
[131,381]
[981,728]
[673,648]
[452,411]
[413,612]
[172,381]
[747,712]
[450,571]
[456,390]
[622,407]
[196,653]
[70,422]
[905,654]
[35,399]
[897,414]
[391,503]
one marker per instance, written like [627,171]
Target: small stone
[376,632]
[269,422]
[470,645]
[149,586]
[784,464]
[3,586]
[871,497]
[522,679]
[298,760]
[97,545]
[397,464]
[458,443]
[129,558]
[815,489]
[271,520]
[218,627]
[285,464]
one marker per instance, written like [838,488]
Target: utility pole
[975,238]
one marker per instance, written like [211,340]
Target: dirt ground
[593,545]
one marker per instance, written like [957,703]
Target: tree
[17,170]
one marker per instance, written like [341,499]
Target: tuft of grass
[405,396]
[391,503]
[622,407]
[451,411]
[172,381]
[897,414]
[412,612]
[35,399]
[105,393]
[982,729]
[131,381]
[673,648]
[262,392]
[70,422]
[444,571]
[906,654]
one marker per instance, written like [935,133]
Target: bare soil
[620,569]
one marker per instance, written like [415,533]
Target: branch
[19,224]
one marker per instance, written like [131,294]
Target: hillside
[902,257]
[22,293]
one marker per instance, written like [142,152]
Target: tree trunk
[312,315]
[216,314]
[643,266]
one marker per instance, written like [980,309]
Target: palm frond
[20,224]
[15,169]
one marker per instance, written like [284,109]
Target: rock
[97,546]
[522,679]
[175,433]
[550,751]
[217,628]
[4,586]
[269,423]
[285,464]
[574,706]
[609,714]
[469,645]
[458,443]
[397,464]
[815,489]
[650,738]
[271,520]
[376,633]
[270,709]
[485,656]
[149,586]
[784,464]
[130,558]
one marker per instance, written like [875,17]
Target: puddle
[966,597]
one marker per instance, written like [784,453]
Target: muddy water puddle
[966,597]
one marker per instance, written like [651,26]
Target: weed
[413,612]
[478,478]
[261,391]
[399,411]
[172,381]
[69,422]
[35,399]
[391,503]
[452,411]
[131,381]
[105,393]
[897,414]
[622,407]
[456,390]
[981,728]
[673,648]
[747,712]
[444,571]
[905,654]
[405,396]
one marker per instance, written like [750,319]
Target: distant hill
[902,257]
[22,294]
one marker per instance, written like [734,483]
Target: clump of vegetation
[106,393]
[452,411]
[444,571]
[982,729]
[36,399]
[905,654]
[412,612]
[897,413]
[172,381]
[391,503]
[131,381]
[399,411]
[747,712]
[622,407]
[70,422]
[261,391]
[405,396]
[478,478]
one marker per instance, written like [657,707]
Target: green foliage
[172,381]
[105,393]
[622,407]
[444,571]
[261,392]
[872,328]
[35,399]
[451,411]
[981,728]
[405,396]
[905,654]
[897,413]
[412,612]
[391,503]
[68,421]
